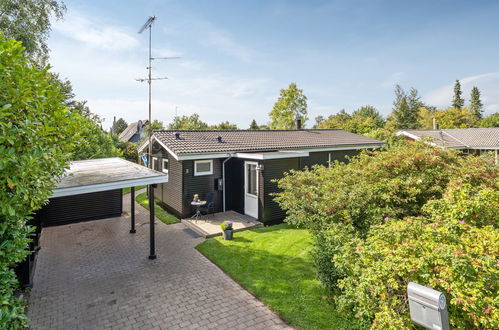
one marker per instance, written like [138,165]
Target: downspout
[223,178]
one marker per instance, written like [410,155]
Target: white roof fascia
[345,148]
[142,147]
[274,155]
[69,191]
[464,144]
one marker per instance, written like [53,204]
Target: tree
[339,120]
[455,118]
[425,118]
[290,106]
[490,121]
[364,120]
[93,142]
[119,126]
[223,125]
[254,125]
[28,21]
[405,113]
[36,140]
[476,105]
[457,101]
[187,122]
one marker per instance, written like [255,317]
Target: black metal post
[152,243]
[132,208]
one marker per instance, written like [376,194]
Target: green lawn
[127,189]
[274,264]
[159,211]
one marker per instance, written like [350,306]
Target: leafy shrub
[410,213]
[34,146]
[453,249]
[350,198]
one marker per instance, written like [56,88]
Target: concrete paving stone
[96,275]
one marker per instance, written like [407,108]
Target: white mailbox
[428,307]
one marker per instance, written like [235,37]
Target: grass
[159,211]
[274,264]
[127,189]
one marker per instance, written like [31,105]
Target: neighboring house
[134,132]
[475,141]
[239,166]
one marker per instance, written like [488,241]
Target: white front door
[251,189]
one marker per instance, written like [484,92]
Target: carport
[92,181]
[92,190]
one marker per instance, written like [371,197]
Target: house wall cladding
[201,185]
[83,207]
[275,169]
[170,192]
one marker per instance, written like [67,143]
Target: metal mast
[148,24]
[149,79]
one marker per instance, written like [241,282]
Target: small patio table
[198,204]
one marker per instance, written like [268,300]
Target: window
[155,164]
[251,187]
[165,165]
[203,167]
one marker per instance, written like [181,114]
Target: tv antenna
[149,79]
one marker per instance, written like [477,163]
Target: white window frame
[329,160]
[152,165]
[163,169]
[210,161]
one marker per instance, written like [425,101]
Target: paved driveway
[95,275]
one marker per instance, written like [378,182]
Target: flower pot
[228,234]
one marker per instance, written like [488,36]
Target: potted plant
[227,229]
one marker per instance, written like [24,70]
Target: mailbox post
[428,307]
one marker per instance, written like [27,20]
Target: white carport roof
[93,175]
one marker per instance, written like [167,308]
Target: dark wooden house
[240,166]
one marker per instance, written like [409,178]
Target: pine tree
[476,105]
[405,112]
[458,101]
[254,125]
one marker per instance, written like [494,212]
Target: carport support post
[152,243]
[132,207]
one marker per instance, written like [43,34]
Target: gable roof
[205,141]
[459,138]
[131,130]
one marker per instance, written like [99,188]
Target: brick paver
[95,275]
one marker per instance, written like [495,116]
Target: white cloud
[393,79]
[487,83]
[94,33]
[223,42]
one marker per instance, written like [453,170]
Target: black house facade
[240,166]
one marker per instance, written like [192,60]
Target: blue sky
[237,55]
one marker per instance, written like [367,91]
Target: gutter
[223,178]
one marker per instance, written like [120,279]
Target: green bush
[453,249]
[350,198]
[351,209]
[35,144]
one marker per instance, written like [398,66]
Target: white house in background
[475,141]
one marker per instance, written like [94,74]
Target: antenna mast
[149,79]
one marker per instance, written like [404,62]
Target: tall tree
[187,122]
[29,21]
[254,125]
[476,105]
[339,120]
[290,106]
[457,101]
[119,126]
[455,118]
[405,113]
[223,125]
